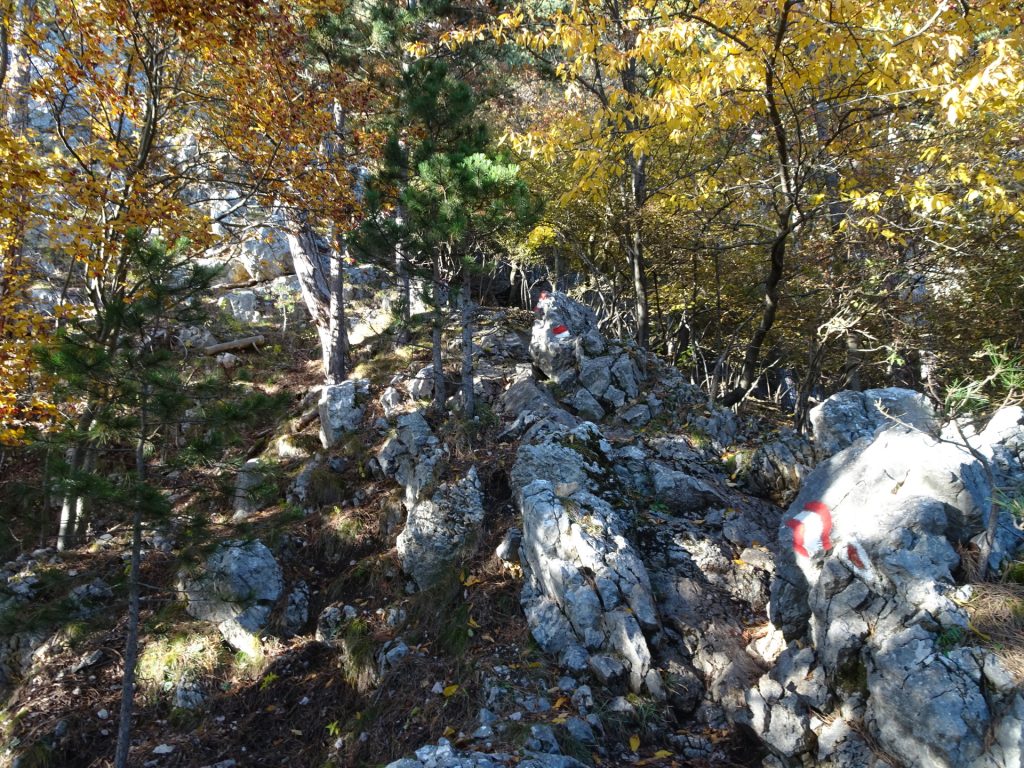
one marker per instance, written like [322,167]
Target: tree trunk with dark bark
[337,353]
[437,327]
[466,307]
[131,651]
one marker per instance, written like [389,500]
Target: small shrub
[357,655]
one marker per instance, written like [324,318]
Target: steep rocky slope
[595,570]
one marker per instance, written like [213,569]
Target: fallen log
[229,346]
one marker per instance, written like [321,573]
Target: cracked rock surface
[872,594]
[440,528]
[587,593]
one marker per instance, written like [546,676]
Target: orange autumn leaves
[139,108]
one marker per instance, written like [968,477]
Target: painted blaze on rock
[870,588]
[812,528]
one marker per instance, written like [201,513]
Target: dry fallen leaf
[449,690]
[634,742]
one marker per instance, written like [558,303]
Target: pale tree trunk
[15,67]
[337,354]
[311,258]
[404,292]
[15,80]
[635,250]
[636,199]
[466,307]
[81,510]
[76,465]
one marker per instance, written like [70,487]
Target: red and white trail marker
[543,301]
[811,529]
[560,332]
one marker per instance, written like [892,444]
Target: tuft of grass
[380,367]
[250,667]
[1014,572]
[38,755]
[166,661]
[326,487]
[996,619]
[441,615]
[573,747]
[371,575]
[342,536]
[358,650]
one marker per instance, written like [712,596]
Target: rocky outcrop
[413,457]
[439,530]
[587,595]
[865,578]
[444,755]
[242,305]
[244,500]
[237,589]
[849,416]
[341,409]
[597,378]
[775,469]
[565,330]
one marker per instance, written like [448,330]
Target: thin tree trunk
[82,511]
[16,68]
[15,82]
[76,464]
[440,298]
[851,370]
[815,357]
[661,324]
[635,250]
[784,225]
[466,306]
[404,294]
[131,651]
[752,356]
[45,522]
[337,359]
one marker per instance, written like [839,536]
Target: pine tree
[455,194]
[118,363]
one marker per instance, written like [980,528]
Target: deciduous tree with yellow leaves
[793,122]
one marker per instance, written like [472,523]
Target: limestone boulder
[236,590]
[588,595]
[563,332]
[341,409]
[848,416]
[440,530]
[775,469]
[865,578]
[413,457]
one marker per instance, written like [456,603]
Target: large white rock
[441,529]
[413,457]
[236,590]
[849,416]
[865,578]
[341,409]
[579,562]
